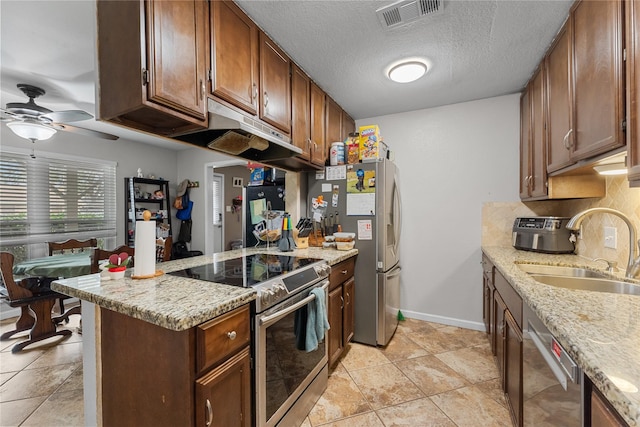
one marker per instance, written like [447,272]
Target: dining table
[57,265]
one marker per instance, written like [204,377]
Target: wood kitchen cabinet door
[149,79]
[334,123]
[275,85]
[633,92]
[234,56]
[334,310]
[513,367]
[499,313]
[559,101]
[223,396]
[537,150]
[318,126]
[348,125]
[598,78]
[525,143]
[301,111]
[348,315]
[177,65]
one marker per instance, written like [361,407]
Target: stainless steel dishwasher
[552,382]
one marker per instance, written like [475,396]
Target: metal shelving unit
[140,195]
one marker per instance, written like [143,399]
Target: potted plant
[117,265]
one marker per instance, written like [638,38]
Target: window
[54,197]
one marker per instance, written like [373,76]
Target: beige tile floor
[429,375]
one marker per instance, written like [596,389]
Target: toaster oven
[547,234]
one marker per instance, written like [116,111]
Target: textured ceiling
[477,49]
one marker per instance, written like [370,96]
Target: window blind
[55,198]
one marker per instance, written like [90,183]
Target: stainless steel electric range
[297,375]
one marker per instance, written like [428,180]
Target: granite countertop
[600,330]
[174,302]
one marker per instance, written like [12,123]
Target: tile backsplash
[498,217]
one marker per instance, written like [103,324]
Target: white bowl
[345,246]
[342,235]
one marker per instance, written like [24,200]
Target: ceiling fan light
[407,71]
[31,130]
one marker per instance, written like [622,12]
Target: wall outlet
[611,237]
[228,208]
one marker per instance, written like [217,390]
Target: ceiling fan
[34,122]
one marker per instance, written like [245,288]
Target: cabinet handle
[341,302]
[202,90]
[348,298]
[255,91]
[266,99]
[209,413]
[566,142]
[232,335]
[344,272]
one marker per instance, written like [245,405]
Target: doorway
[217,218]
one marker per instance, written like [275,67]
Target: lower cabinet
[154,376]
[222,396]
[503,310]
[340,309]
[598,410]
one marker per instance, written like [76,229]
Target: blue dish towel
[316,320]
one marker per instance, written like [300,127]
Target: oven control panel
[280,288]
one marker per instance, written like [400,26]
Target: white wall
[128,154]
[195,164]
[451,160]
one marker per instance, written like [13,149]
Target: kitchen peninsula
[161,327]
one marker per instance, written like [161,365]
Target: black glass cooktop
[246,271]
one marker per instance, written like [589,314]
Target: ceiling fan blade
[66,116]
[83,131]
[6,115]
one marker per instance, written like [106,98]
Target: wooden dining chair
[72,246]
[100,255]
[36,300]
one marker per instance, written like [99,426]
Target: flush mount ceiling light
[407,70]
[31,130]
[611,169]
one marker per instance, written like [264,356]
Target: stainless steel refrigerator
[367,199]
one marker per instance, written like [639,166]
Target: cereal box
[371,146]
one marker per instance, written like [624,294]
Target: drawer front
[218,338]
[341,272]
[512,300]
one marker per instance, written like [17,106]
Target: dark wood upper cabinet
[525,143]
[334,122]
[234,56]
[152,64]
[275,85]
[598,77]
[301,111]
[348,125]
[538,166]
[318,125]
[633,92]
[559,101]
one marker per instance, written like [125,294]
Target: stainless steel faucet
[633,266]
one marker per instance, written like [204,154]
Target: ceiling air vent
[405,11]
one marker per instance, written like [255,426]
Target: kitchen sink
[589,284]
[557,270]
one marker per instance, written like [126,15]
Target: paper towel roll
[145,241]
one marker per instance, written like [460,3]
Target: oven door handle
[269,320]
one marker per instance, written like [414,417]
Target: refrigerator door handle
[398,213]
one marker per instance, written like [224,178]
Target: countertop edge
[135,298]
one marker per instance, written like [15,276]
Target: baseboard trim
[450,321]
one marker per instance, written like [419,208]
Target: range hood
[231,132]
